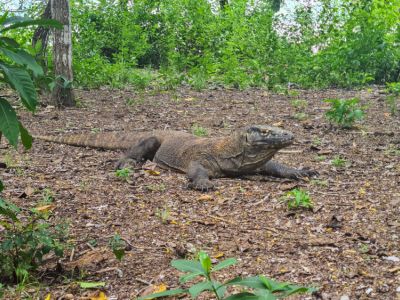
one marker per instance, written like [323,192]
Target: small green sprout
[344,112]
[298,198]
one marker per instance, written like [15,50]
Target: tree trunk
[62,55]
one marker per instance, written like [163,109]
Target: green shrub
[28,236]
[123,173]
[393,89]
[344,112]
[118,246]
[339,162]
[198,130]
[257,287]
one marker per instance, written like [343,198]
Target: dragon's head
[267,137]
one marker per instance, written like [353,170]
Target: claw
[203,185]
[125,162]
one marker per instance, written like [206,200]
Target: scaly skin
[247,151]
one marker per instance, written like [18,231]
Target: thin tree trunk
[62,55]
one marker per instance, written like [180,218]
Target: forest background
[270,44]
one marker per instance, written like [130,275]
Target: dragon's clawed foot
[203,185]
[305,172]
[125,163]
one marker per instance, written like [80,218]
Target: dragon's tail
[104,140]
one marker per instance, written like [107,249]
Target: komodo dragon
[247,151]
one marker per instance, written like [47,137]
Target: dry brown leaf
[160,288]
[45,208]
[99,296]
[29,191]
[153,172]
[219,255]
[205,198]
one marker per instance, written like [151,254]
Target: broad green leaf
[188,266]
[3,17]
[251,282]
[270,284]
[119,253]
[91,285]
[9,122]
[17,22]
[22,57]
[205,261]
[226,263]
[1,186]
[244,296]
[200,287]
[220,288]
[9,41]
[294,289]
[26,138]
[163,294]
[8,209]
[190,276]
[20,80]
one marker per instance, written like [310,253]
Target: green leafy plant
[301,116]
[118,246]
[320,157]
[47,196]
[16,67]
[299,104]
[28,236]
[339,162]
[197,130]
[160,187]
[344,112]
[393,88]
[257,287]
[298,198]
[163,214]
[123,173]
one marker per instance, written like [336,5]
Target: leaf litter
[348,245]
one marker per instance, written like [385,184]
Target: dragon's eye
[254,130]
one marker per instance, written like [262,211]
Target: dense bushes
[197,43]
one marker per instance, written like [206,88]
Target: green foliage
[298,198]
[299,104]
[118,246]
[339,162]
[123,173]
[28,236]
[341,43]
[344,112]
[393,88]
[16,67]
[257,287]
[163,214]
[197,130]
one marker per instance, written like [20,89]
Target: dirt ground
[349,244]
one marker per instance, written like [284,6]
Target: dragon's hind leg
[145,149]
